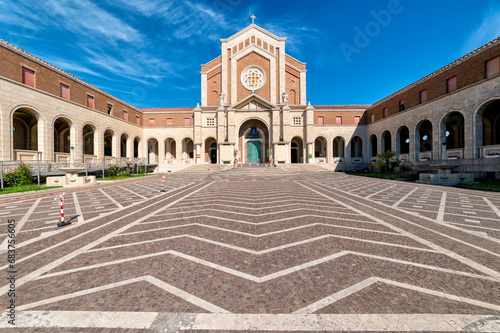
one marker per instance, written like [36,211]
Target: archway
[320,147]
[170,149]
[297,149]
[62,137]
[187,148]
[211,151]
[373,145]
[356,147]
[453,130]
[25,133]
[253,141]
[339,147]
[490,118]
[424,135]
[89,144]
[152,151]
[108,142]
[403,140]
[386,141]
[137,141]
[123,145]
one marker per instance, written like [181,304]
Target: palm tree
[385,164]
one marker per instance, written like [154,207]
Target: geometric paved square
[256,248]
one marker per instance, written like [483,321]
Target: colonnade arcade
[35,137]
[59,139]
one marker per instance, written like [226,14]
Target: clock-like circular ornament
[253,78]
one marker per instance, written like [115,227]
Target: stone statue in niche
[284,97]
[221,99]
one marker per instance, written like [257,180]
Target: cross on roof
[253,19]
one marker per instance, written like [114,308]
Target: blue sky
[148,52]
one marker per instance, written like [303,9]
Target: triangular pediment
[253,103]
[253,27]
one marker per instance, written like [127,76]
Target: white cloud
[488,30]
[300,38]
[85,16]
[79,16]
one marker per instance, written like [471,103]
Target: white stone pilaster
[203,88]
[303,93]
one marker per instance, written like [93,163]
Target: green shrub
[142,169]
[124,174]
[20,177]
[113,171]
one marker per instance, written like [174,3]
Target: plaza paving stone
[256,248]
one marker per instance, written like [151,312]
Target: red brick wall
[214,83]
[254,59]
[292,82]
[294,62]
[49,81]
[467,72]
[329,118]
[161,118]
[211,64]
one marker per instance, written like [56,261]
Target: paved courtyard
[255,248]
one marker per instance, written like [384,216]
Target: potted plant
[270,154]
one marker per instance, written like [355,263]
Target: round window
[253,78]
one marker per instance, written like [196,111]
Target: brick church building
[253,109]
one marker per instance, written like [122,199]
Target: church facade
[253,109]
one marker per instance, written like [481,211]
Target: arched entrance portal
[297,149]
[253,141]
[211,151]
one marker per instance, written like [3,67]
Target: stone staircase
[303,168]
[206,168]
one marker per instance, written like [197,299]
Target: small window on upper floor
[151,122]
[28,77]
[372,118]
[402,106]
[422,98]
[137,120]
[338,120]
[210,121]
[492,67]
[64,91]
[90,101]
[297,121]
[110,108]
[451,84]
[321,120]
[356,120]
[385,112]
[169,122]
[125,115]
[187,122]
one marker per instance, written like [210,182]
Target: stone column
[98,144]
[45,140]
[130,147]
[75,141]
[115,146]
[329,151]
[310,153]
[178,151]
[161,152]
[198,153]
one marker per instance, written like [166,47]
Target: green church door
[253,151]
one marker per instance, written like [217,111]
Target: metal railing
[41,168]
